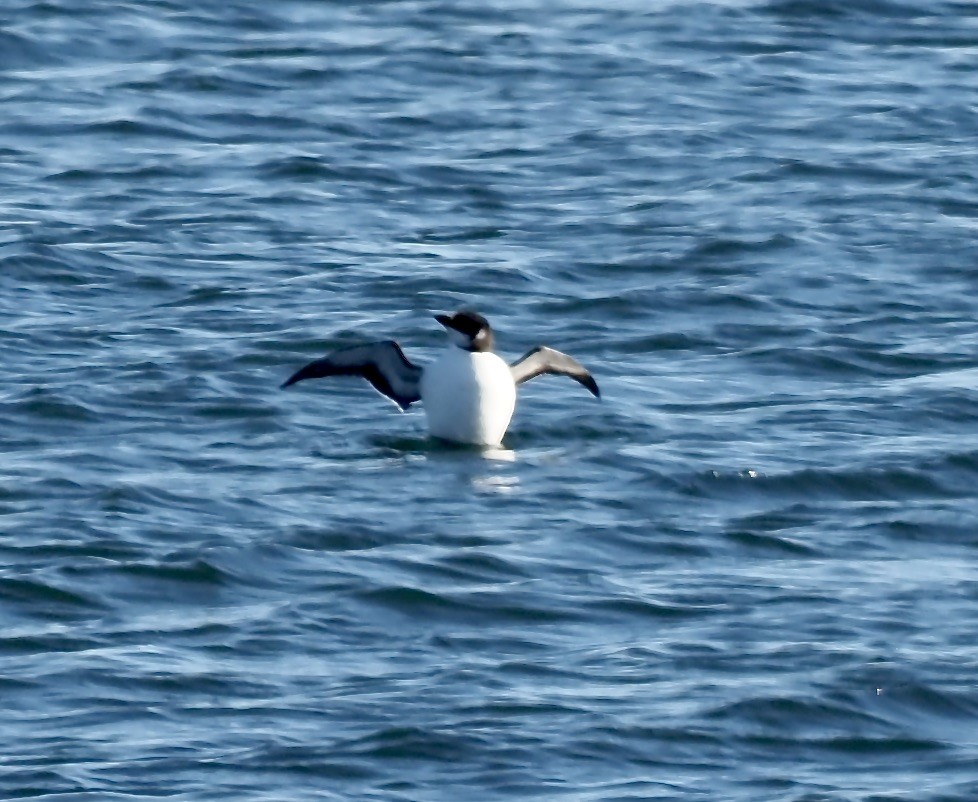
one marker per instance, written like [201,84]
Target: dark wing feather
[382,364]
[543,360]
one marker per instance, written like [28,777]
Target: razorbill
[468,392]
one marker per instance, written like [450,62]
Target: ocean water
[747,574]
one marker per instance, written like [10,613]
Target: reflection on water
[499,454]
[495,483]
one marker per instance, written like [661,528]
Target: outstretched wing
[382,364]
[546,360]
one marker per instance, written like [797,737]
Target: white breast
[468,397]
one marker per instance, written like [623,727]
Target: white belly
[468,397]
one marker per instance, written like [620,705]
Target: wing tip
[295,377]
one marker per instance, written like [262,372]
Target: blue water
[746,574]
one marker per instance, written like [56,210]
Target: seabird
[469,393]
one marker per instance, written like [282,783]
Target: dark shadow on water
[436,447]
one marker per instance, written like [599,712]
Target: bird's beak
[445,320]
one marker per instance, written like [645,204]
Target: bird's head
[468,330]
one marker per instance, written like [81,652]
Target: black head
[470,330]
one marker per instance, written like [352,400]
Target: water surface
[746,574]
